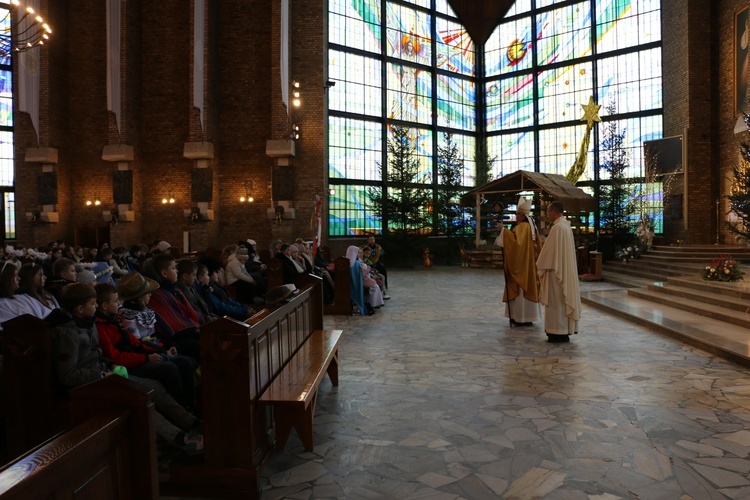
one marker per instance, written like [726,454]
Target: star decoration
[591,112]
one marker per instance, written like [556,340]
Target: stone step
[716,337]
[624,280]
[644,263]
[676,258]
[738,289]
[710,250]
[695,307]
[709,298]
[655,272]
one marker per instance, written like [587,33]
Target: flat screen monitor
[666,153]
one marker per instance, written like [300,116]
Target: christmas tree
[738,219]
[450,167]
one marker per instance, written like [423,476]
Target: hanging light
[20,35]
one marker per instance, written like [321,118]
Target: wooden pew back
[110,452]
[238,362]
[33,403]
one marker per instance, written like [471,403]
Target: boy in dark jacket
[78,360]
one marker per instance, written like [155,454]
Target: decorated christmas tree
[738,219]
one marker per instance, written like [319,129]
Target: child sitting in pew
[207,286]
[175,372]
[176,321]
[14,304]
[77,360]
[186,278]
[63,273]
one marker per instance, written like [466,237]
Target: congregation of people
[138,312]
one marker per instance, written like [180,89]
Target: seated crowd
[138,313]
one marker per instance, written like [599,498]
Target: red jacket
[128,352]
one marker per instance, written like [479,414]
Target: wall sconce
[331,192]
[96,202]
[248,190]
[296,101]
[295,133]
[169,198]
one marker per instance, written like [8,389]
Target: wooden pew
[294,392]
[342,280]
[275,275]
[342,299]
[110,452]
[35,407]
[239,360]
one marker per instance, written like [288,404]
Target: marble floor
[440,398]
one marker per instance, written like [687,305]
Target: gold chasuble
[519,262]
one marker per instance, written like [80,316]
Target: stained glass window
[561,90]
[454,48]
[456,103]
[563,34]
[466,145]
[539,66]
[354,149]
[358,88]
[357,29]
[632,81]
[9,204]
[409,93]
[511,152]
[509,49]
[510,103]
[408,32]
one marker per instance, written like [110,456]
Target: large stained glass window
[406,63]
[606,49]
[411,63]
[7,178]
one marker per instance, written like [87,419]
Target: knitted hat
[524,206]
[251,242]
[86,276]
[163,246]
[242,251]
[134,285]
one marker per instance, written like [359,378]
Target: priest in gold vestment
[521,245]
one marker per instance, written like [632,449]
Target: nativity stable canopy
[552,186]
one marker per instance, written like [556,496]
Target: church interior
[205,122]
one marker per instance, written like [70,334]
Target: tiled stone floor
[440,398]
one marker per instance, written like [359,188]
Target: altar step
[664,262]
[709,315]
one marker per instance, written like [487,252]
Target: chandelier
[26,33]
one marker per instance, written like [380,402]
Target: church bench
[239,361]
[342,299]
[109,452]
[35,406]
[294,392]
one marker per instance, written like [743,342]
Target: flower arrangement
[722,268]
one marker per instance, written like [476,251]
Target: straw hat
[134,285]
